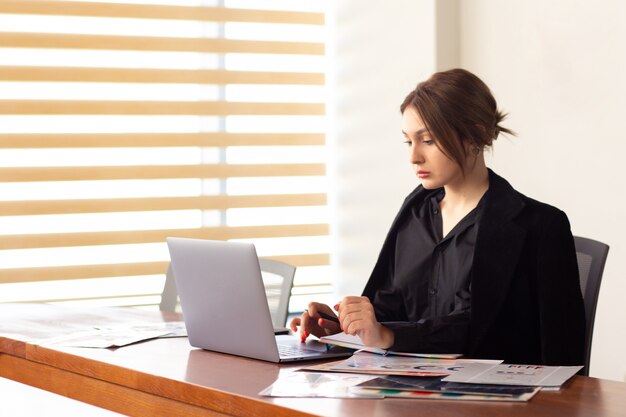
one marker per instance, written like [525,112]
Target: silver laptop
[225,307]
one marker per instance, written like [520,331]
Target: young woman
[469,265]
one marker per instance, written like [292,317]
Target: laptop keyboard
[292,350]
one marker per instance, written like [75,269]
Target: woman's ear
[471,147]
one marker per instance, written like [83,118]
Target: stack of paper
[382,373]
[421,378]
[473,383]
[436,388]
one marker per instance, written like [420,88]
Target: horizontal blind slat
[217,202]
[156,108]
[146,75]
[54,240]
[54,273]
[125,140]
[155,43]
[104,297]
[153,11]
[84,173]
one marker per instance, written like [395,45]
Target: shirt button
[436,211]
[433,292]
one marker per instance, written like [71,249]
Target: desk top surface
[172,368]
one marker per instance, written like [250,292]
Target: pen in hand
[325,317]
[329,317]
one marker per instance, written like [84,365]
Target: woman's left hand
[357,317]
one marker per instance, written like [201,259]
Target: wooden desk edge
[63,373]
[12,347]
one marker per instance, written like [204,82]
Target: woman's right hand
[311,322]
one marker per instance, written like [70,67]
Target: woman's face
[433,168]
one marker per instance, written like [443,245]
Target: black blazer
[527,306]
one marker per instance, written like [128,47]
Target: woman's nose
[416,156]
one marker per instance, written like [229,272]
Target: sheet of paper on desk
[438,389]
[355,342]
[435,384]
[117,336]
[422,395]
[316,385]
[373,364]
[507,374]
[172,328]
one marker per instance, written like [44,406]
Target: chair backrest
[277,278]
[591,256]
[278,281]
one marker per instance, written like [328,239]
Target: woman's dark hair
[458,109]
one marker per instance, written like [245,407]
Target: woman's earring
[476,150]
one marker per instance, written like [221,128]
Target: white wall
[558,67]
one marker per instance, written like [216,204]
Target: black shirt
[429,302]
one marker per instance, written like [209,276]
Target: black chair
[277,279]
[591,256]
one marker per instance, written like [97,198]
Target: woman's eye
[427,141]
[408,142]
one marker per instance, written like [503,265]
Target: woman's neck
[467,192]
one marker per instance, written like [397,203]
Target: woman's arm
[447,334]
[562,312]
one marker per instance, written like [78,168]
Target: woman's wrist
[387,337]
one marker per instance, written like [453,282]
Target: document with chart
[505,374]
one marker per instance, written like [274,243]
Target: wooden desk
[166,377]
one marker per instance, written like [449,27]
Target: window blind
[122,124]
